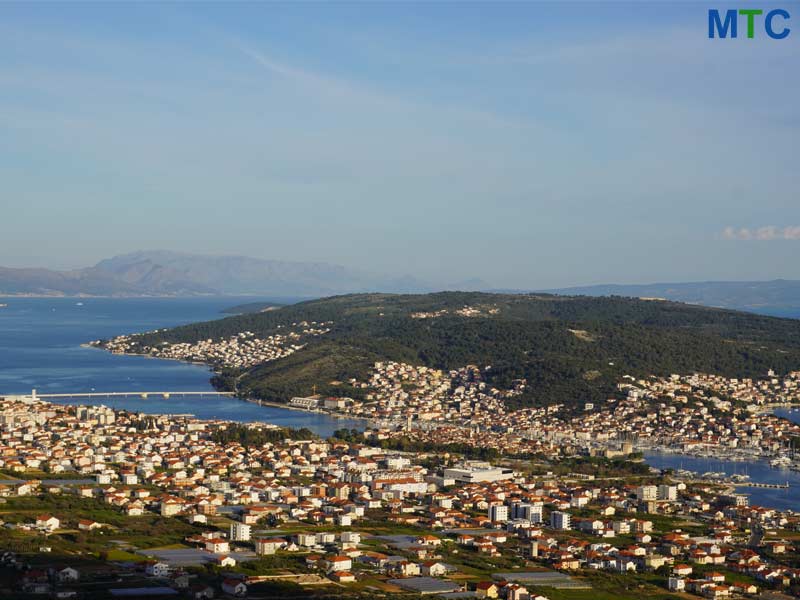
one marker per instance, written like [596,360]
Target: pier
[774,486]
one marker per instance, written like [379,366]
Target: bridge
[143,395]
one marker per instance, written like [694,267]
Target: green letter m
[716,24]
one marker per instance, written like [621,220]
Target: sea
[758,472]
[42,347]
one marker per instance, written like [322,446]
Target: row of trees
[254,437]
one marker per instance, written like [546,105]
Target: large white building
[498,513]
[307,403]
[101,414]
[407,487]
[647,493]
[527,511]
[240,532]
[667,492]
[477,472]
[560,520]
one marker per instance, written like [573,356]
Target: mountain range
[163,273]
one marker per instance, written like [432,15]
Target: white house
[269,545]
[88,525]
[48,522]
[218,546]
[676,584]
[68,574]
[234,587]
[157,569]
[434,569]
[338,563]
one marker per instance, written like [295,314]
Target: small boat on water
[781,462]
[3,305]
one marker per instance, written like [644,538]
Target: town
[171,506]
[691,414]
[696,414]
[240,351]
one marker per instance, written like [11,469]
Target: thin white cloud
[767,233]
[292,72]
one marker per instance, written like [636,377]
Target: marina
[764,485]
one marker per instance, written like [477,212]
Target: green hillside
[571,349]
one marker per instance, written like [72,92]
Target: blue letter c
[778,12]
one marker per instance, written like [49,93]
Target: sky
[526,144]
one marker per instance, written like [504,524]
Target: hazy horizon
[443,285]
[529,145]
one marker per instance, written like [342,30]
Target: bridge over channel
[145,395]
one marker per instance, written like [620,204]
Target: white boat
[780,462]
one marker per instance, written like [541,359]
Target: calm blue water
[40,347]
[759,472]
[792,414]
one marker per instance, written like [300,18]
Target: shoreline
[211,368]
[760,461]
[327,413]
[123,296]
[769,409]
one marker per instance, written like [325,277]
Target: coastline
[207,366]
[769,409]
[258,401]
[114,296]
[715,453]
[318,411]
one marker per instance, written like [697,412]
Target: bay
[759,472]
[41,347]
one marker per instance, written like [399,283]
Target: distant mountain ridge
[779,296]
[164,273]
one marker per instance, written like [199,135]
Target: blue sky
[527,144]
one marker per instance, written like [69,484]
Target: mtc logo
[774,23]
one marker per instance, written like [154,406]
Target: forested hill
[571,349]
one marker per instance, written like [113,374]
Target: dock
[774,486]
